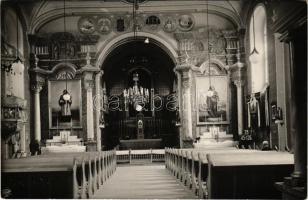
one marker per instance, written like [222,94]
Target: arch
[258,48]
[106,48]
[60,66]
[205,65]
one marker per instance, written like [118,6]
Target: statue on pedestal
[212,99]
[65,102]
[253,112]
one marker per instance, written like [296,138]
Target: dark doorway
[140,86]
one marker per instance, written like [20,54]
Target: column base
[91,145]
[23,154]
[35,147]
[187,143]
[292,188]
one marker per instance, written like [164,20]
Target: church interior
[104,95]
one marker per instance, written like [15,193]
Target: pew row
[65,175]
[203,173]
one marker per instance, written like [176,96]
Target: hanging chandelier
[136,95]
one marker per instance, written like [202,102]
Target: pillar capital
[239,83]
[88,84]
[182,68]
[37,87]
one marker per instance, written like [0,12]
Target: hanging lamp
[210,92]
[17,61]
[66,95]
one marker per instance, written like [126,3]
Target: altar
[141,144]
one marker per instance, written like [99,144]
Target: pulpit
[12,123]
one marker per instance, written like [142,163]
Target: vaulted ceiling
[39,13]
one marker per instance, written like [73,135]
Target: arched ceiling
[43,12]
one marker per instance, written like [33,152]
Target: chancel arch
[168,45]
[138,74]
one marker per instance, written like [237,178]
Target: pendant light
[210,90]
[66,95]
[135,23]
[17,61]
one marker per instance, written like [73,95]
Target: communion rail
[141,156]
[229,173]
[65,175]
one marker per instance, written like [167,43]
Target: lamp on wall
[8,66]
[253,57]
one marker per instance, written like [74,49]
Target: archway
[140,85]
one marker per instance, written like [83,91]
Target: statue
[65,102]
[212,99]
[253,112]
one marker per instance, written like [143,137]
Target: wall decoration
[103,25]
[121,23]
[139,23]
[86,25]
[169,24]
[153,22]
[55,90]
[212,109]
[186,22]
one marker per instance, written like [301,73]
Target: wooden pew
[247,175]
[67,175]
[191,165]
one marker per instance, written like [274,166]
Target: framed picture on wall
[65,111]
[212,103]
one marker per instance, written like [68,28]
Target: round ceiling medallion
[86,25]
[186,22]
[104,25]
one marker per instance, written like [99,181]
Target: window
[258,49]
[13,81]
[152,20]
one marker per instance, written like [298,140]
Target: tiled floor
[143,182]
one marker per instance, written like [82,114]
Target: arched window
[152,20]
[258,49]
[14,80]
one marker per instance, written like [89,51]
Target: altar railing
[140,156]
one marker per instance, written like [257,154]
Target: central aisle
[143,182]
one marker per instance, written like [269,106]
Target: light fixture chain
[208,41]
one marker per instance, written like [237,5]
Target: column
[185,95]
[281,55]
[239,91]
[98,109]
[23,141]
[90,124]
[37,87]
[179,100]
[298,123]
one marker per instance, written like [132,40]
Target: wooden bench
[247,175]
[65,175]
[191,166]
